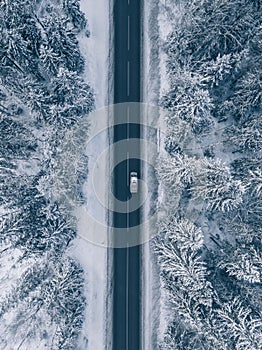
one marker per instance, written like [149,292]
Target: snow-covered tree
[244,264]
[180,336]
[178,254]
[240,325]
[32,93]
[62,39]
[189,100]
[16,46]
[176,171]
[22,36]
[210,180]
[246,136]
[255,181]
[216,71]
[40,65]
[36,225]
[209,28]
[72,9]
[16,140]
[71,98]
[64,301]
[248,95]
[49,58]
[242,166]
[52,291]
[27,284]
[215,185]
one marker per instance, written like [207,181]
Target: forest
[42,97]
[209,247]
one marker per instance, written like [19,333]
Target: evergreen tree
[72,9]
[214,73]
[240,325]
[40,66]
[189,101]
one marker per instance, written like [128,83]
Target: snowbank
[95,49]
[93,258]
[157,22]
[154,318]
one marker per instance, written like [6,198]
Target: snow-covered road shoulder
[93,258]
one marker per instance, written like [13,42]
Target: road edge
[108,335]
[149,294]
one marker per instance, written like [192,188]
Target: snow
[92,257]
[154,313]
[164,30]
[93,260]
[11,267]
[95,49]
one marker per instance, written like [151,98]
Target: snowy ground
[92,257]
[154,313]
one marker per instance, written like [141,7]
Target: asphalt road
[126,267]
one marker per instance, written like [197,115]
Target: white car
[133,182]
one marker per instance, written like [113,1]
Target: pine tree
[62,40]
[49,58]
[17,142]
[40,65]
[255,181]
[71,96]
[189,101]
[215,185]
[72,9]
[216,71]
[178,254]
[245,137]
[244,264]
[62,295]
[240,325]
[176,171]
[248,95]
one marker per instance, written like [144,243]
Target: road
[126,267]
